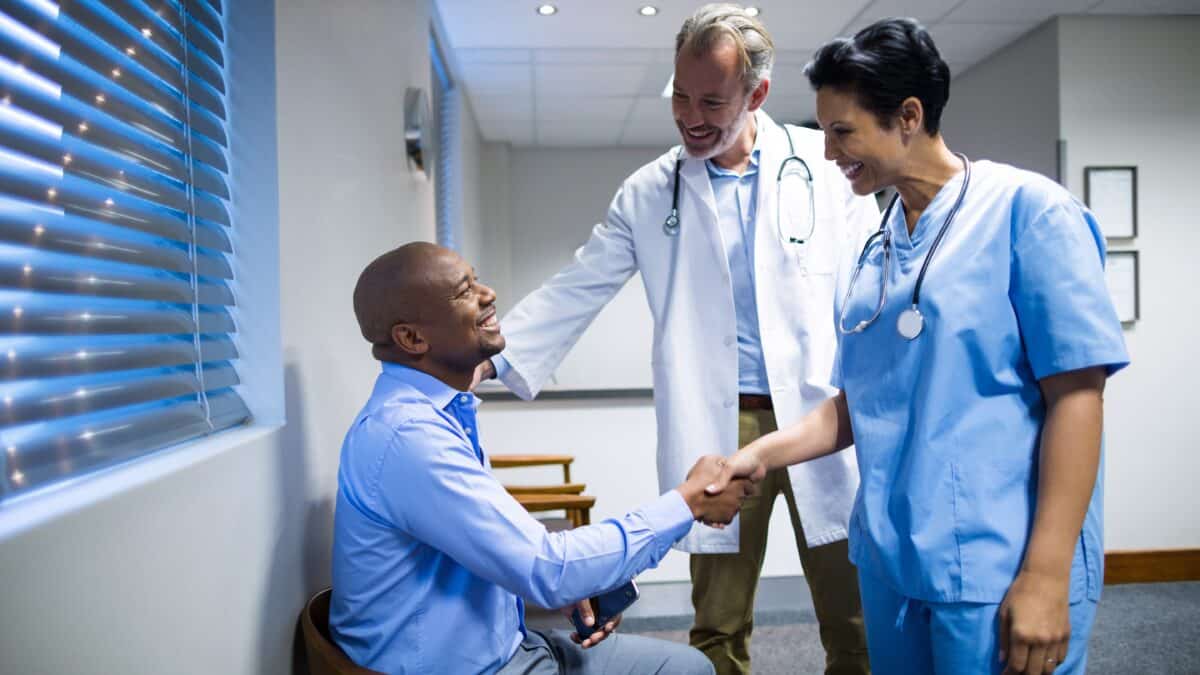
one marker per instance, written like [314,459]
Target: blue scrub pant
[905,635]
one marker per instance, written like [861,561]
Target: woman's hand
[744,463]
[1035,623]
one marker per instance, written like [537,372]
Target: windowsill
[24,512]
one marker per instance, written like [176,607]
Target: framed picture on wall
[1121,273]
[1111,194]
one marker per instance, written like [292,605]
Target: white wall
[1006,108]
[201,563]
[1128,92]
[556,196]
[1130,95]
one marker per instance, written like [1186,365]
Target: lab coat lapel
[702,216]
[772,150]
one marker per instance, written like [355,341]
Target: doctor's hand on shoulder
[715,509]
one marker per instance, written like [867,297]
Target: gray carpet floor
[1140,628]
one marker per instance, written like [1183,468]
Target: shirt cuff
[668,517]
[501,365]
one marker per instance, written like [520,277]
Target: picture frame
[1121,273]
[1111,193]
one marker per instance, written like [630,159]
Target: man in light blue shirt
[432,559]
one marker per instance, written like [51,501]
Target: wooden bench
[565,496]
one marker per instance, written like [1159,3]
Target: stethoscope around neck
[671,224]
[910,322]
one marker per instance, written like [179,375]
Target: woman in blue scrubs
[976,338]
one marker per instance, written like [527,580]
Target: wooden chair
[324,656]
[577,506]
[511,461]
[566,496]
[564,489]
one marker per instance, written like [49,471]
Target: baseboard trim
[1140,567]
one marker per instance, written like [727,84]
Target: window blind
[116,323]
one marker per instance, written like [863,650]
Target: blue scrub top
[947,426]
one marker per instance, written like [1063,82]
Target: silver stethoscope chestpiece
[671,224]
[910,323]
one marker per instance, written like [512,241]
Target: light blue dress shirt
[431,556]
[947,426]
[737,198]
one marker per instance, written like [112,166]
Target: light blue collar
[438,392]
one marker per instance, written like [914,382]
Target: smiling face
[459,323]
[870,155]
[709,101]
[421,305]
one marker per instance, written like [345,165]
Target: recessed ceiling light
[547,10]
[753,11]
[648,10]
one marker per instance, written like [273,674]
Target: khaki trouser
[723,584]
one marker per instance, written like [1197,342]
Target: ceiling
[593,73]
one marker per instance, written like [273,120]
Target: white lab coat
[694,354]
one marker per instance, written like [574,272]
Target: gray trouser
[553,653]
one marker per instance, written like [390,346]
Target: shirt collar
[438,392]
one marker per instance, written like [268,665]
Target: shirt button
[464,398]
[729,340]
[468,431]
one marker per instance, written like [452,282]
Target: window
[116,313]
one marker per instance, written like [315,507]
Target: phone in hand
[606,607]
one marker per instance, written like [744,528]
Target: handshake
[716,486]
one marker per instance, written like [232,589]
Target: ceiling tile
[1014,11]
[613,24]
[925,11]
[795,57]
[589,80]
[967,43]
[578,134]
[517,132]
[650,123]
[1146,7]
[502,107]
[587,56]
[586,108]
[655,79]
[650,109]
[497,79]
[596,65]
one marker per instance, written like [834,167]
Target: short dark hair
[883,64]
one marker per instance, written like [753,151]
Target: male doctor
[741,288]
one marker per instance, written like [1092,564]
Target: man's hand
[589,618]
[716,508]
[484,371]
[743,464]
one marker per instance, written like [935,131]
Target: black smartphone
[605,607]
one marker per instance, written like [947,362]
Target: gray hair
[711,23]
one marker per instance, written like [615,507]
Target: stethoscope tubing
[887,245]
[671,224]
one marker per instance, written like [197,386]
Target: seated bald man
[432,558]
